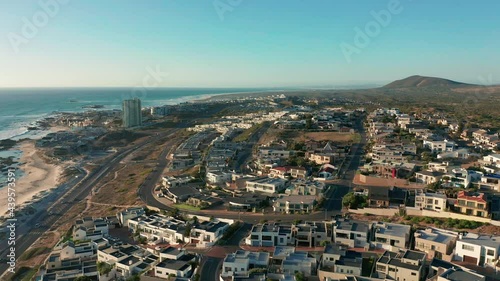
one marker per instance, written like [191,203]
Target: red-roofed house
[284,171]
[472,203]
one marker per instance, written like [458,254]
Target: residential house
[270,235]
[238,264]
[181,193]
[327,171]
[437,243]
[492,160]
[430,201]
[446,271]
[218,177]
[472,203]
[355,234]
[265,184]
[390,236]
[462,153]
[440,146]
[490,182]
[129,213]
[287,260]
[478,249]
[295,204]
[180,267]
[306,187]
[428,177]
[336,258]
[380,196]
[406,266]
[275,152]
[310,234]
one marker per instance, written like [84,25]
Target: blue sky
[256,43]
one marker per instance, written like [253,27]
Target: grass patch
[24,273]
[33,253]
[248,132]
[186,207]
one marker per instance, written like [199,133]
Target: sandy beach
[38,176]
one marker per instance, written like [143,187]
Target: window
[414,274]
[490,252]
[467,247]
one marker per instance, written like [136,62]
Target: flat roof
[392,229]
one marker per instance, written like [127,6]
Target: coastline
[38,176]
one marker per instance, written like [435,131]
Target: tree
[187,231]
[103,268]
[350,201]
[299,276]
[134,277]
[195,220]
[175,213]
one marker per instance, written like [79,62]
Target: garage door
[470,259]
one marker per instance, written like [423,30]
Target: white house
[239,263]
[430,201]
[490,182]
[265,184]
[218,177]
[440,146]
[478,249]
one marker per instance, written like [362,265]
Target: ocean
[21,107]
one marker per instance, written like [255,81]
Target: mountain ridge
[417,81]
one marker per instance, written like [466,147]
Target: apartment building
[406,266]
[437,243]
[472,203]
[390,236]
[355,234]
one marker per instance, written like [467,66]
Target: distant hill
[417,81]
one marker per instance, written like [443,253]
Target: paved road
[341,187]
[211,265]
